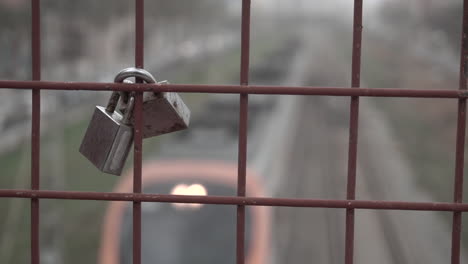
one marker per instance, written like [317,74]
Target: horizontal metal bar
[237,89]
[234,200]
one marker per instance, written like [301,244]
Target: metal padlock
[162,112]
[109,136]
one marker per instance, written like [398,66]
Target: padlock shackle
[114,99]
[128,114]
[134,72]
[130,72]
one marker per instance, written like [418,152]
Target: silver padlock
[162,112]
[109,136]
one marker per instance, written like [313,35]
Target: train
[176,233]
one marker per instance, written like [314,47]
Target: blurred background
[297,145]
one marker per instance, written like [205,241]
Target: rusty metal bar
[138,137]
[235,200]
[243,117]
[35,127]
[458,188]
[353,131]
[139,33]
[460,143]
[239,89]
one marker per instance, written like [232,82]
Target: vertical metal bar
[139,33]
[35,126]
[353,131]
[138,137]
[460,143]
[243,116]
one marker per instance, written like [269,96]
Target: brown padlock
[162,112]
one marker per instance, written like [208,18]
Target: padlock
[109,136]
[162,112]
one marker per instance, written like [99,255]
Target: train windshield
[185,233]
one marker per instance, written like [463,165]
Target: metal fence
[243,89]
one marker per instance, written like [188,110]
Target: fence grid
[244,89]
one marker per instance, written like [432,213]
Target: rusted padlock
[109,136]
[162,112]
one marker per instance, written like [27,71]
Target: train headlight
[184,189]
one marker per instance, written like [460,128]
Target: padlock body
[107,141]
[163,113]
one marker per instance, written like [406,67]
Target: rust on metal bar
[460,140]
[353,131]
[138,136]
[243,116]
[35,127]
[238,89]
[235,200]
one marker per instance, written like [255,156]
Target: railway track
[317,169]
